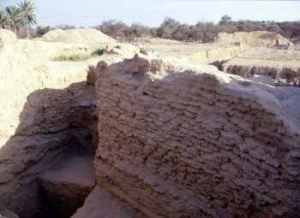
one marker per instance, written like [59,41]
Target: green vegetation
[98,52]
[79,56]
[18,17]
[201,31]
[72,57]
[21,17]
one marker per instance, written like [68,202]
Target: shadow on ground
[54,125]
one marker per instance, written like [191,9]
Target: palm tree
[14,17]
[19,16]
[3,19]
[226,19]
[27,11]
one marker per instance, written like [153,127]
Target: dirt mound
[254,39]
[7,36]
[189,52]
[81,36]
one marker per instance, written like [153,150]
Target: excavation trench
[64,188]
[49,161]
[276,76]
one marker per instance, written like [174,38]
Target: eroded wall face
[187,146]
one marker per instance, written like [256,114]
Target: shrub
[98,52]
[79,57]
[40,31]
[202,31]
[72,57]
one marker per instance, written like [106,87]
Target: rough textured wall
[280,66]
[271,74]
[52,123]
[179,141]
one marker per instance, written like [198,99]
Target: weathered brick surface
[194,143]
[279,75]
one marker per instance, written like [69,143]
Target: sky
[152,12]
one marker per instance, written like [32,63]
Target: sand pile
[81,36]
[254,39]
[7,36]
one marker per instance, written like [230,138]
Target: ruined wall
[273,74]
[179,141]
[280,66]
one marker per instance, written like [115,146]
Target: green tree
[28,16]
[225,20]
[3,19]
[167,28]
[14,17]
[18,16]
[27,11]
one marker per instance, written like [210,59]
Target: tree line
[201,31]
[20,18]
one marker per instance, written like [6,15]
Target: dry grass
[79,56]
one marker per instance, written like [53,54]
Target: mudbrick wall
[280,75]
[280,66]
[181,141]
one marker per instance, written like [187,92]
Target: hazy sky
[152,12]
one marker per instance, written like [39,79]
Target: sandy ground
[210,52]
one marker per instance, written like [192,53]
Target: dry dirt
[79,36]
[246,54]
[255,39]
[189,52]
